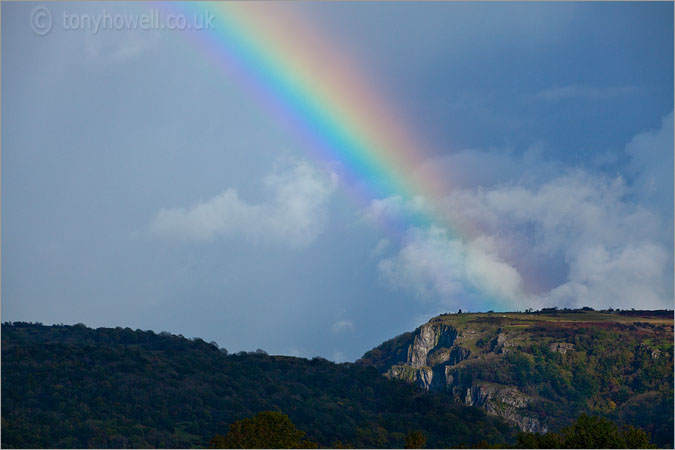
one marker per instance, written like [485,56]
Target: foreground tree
[217,441]
[588,432]
[268,429]
[415,439]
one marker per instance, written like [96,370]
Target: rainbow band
[311,87]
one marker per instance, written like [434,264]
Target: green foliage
[619,364]
[75,387]
[218,441]
[415,439]
[483,444]
[268,429]
[588,432]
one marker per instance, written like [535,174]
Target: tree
[636,438]
[218,441]
[588,432]
[268,429]
[415,439]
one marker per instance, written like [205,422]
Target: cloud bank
[571,239]
[342,326]
[295,214]
[433,263]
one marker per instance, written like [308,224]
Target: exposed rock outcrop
[561,347]
[432,345]
[429,338]
[504,401]
[502,343]
[518,365]
[421,376]
[431,361]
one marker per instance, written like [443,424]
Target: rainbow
[313,88]
[310,85]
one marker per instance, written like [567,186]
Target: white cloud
[629,276]
[573,239]
[585,222]
[381,247]
[342,326]
[651,164]
[295,214]
[486,268]
[439,266]
[394,206]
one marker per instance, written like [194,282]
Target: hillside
[542,370]
[72,386]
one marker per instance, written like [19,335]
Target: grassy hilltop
[73,386]
[541,370]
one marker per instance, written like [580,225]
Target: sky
[156,179]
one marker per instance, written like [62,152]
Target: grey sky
[144,187]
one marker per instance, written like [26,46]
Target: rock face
[431,360]
[561,347]
[539,370]
[421,376]
[432,345]
[504,401]
[431,338]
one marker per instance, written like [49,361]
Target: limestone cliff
[450,352]
[540,370]
[434,352]
[504,401]
[430,338]
[431,347]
